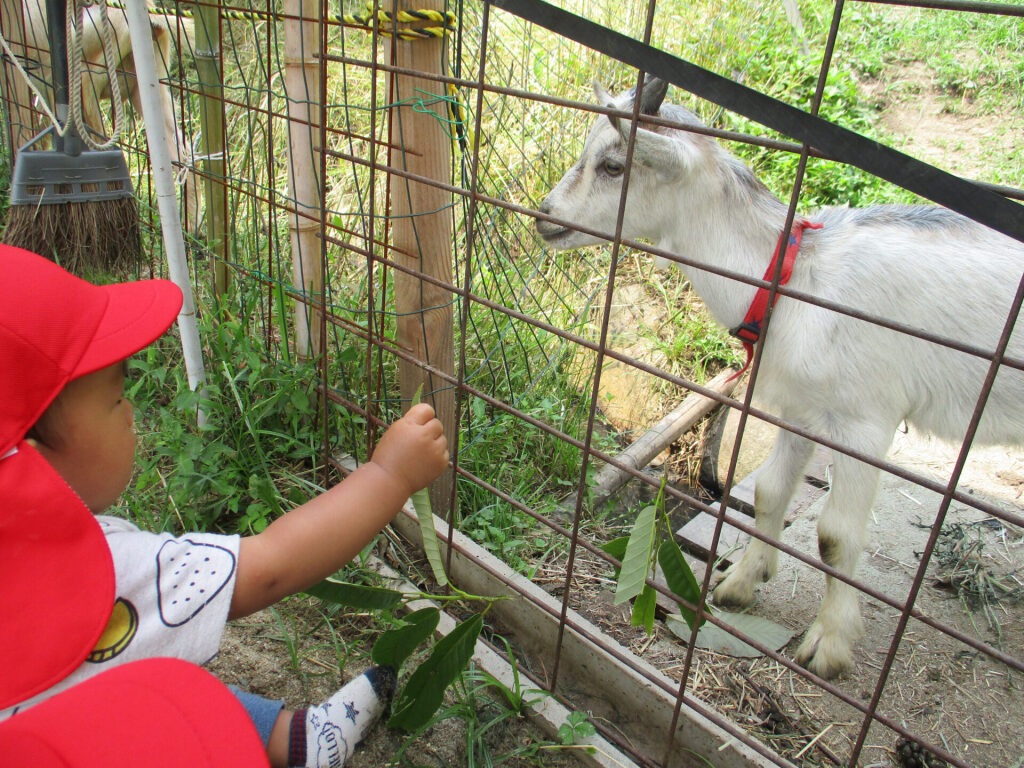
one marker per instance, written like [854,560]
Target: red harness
[749,331]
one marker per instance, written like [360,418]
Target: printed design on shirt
[189,575]
[120,631]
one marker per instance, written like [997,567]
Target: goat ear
[668,155]
[652,95]
[605,98]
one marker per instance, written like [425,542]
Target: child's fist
[413,450]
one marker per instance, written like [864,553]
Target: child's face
[95,451]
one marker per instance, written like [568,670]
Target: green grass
[254,458]
[973,56]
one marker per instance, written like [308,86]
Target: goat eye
[613,167]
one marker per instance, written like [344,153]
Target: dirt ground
[950,132]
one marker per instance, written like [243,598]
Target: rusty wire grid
[506,294]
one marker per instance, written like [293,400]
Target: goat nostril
[545,207]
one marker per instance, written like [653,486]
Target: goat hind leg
[777,480]
[827,648]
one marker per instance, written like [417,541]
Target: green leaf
[355,595]
[421,503]
[422,695]
[680,578]
[643,609]
[576,727]
[636,563]
[394,646]
[712,637]
[617,549]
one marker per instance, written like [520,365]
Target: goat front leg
[827,648]
[777,480]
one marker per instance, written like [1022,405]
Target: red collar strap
[749,331]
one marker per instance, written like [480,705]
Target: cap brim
[162,713]
[137,314]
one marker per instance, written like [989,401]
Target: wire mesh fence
[348,177]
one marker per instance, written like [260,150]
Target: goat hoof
[826,656]
[733,592]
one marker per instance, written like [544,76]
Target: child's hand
[413,450]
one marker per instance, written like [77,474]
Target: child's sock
[325,736]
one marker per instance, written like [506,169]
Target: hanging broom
[72,203]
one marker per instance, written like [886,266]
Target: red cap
[55,327]
[162,713]
[56,575]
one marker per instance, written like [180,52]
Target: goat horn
[652,95]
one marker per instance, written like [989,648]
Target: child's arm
[313,541]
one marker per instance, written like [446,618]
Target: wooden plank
[697,536]
[639,454]
[741,496]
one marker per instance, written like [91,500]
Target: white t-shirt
[172,600]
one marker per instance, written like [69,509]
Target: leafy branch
[638,554]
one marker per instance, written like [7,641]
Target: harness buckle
[748,331]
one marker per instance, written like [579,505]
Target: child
[63,343]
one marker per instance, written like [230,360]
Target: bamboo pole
[163,179]
[302,91]
[16,94]
[211,117]
[421,227]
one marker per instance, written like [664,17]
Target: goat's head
[589,193]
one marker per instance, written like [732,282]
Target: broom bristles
[82,236]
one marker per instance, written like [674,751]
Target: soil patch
[946,128]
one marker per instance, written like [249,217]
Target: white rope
[75,59]
[76,10]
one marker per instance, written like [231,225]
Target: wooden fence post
[302,91]
[421,225]
[16,94]
[211,115]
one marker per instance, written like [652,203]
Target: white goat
[839,377]
[96,83]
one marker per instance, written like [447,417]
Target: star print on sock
[328,733]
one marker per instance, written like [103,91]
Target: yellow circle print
[123,624]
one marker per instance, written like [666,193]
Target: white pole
[163,178]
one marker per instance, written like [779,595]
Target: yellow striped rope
[385,19]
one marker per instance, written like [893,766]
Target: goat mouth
[550,232]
